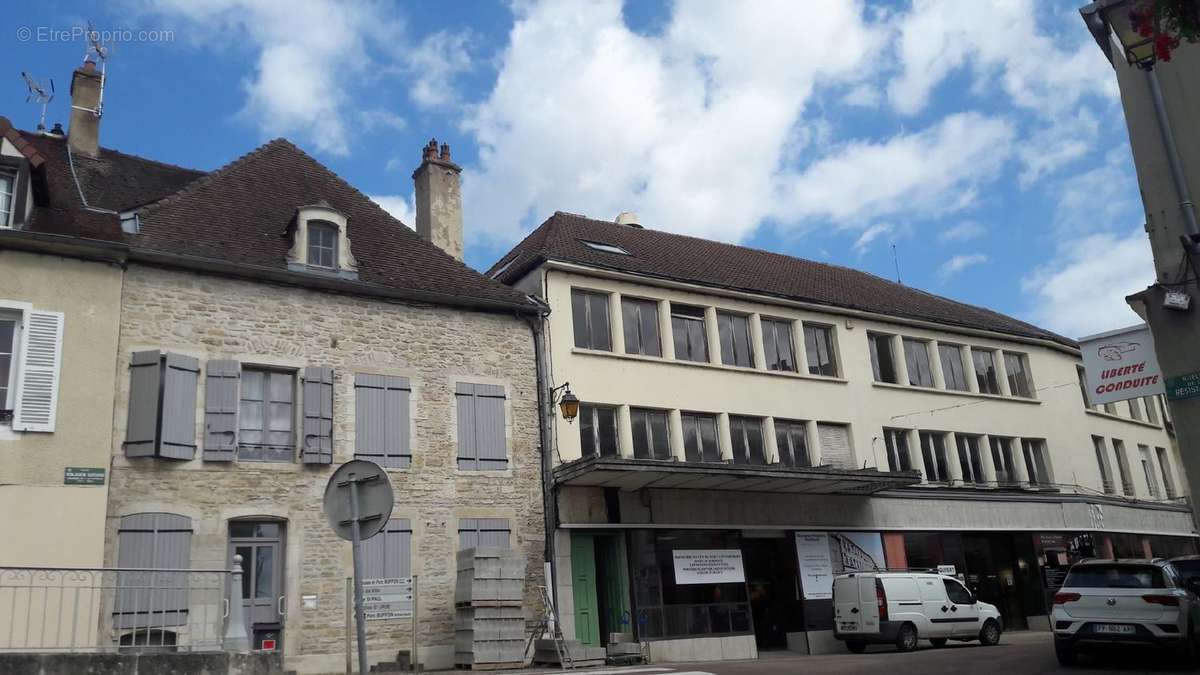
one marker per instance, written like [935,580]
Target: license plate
[1115,628]
[848,627]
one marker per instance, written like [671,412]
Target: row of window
[640,329]
[598,435]
[1146,459]
[970,459]
[264,414]
[163,541]
[952,358]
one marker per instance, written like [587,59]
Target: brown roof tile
[682,258]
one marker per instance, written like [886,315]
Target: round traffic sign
[375,497]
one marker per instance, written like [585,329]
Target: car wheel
[906,639]
[989,634]
[856,647]
[937,642]
[1065,653]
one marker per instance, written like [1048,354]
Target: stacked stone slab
[489,619]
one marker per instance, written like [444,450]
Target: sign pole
[349,618]
[416,662]
[356,550]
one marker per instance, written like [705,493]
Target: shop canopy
[629,473]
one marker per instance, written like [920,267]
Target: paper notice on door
[816,565]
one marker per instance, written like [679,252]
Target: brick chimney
[439,199]
[84,133]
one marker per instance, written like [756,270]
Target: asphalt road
[1017,653]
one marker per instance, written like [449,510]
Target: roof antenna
[896,262]
[97,49]
[38,94]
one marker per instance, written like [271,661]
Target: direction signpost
[358,502]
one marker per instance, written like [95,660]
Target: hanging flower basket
[1167,22]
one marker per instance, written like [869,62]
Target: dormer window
[322,244]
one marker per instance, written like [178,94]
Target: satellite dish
[365,484]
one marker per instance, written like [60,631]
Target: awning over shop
[634,474]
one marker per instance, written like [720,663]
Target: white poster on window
[816,565]
[709,566]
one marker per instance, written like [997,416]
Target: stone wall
[435,347]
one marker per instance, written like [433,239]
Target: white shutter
[835,445]
[37,374]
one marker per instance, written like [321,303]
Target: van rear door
[851,613]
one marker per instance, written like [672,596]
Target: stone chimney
[439,199]
[84,133]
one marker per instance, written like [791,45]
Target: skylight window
[607,248]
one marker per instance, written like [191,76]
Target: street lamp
[1117,15]
[568,403]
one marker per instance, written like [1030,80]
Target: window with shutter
[835,445]
[221,409]
[381,420]
[36,403]
[482,444]
[266,418]
[152,541]
[161,418]
[388,555]
[317,444]
[475,532]
[598,430]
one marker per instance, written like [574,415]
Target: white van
[902,607]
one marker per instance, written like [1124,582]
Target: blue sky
[984,140]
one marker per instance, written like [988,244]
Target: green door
[614,579]
[583,587]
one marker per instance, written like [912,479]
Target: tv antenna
[97,49]
[896,262]
[39,95]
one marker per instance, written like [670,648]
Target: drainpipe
[545,419]
[1172,151]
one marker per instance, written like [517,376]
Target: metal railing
[66,609]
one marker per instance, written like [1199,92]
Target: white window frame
[19,310]
[14,177]
[322,226]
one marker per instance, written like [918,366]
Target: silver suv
[1125,603]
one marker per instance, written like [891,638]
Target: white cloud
[1044,63]
[399,206]
[930,172]
[1082,290]
[962,232]
[863,96]
[959,263]
[380,120]
[688,128]
[309,54]
[1066,139]
[869,235]
[434,64]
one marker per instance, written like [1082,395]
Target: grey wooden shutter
[36,402]
[381,420]
[388,554]
[835,445]
[317,445]
[481,439]
[493,532]
[141,428]
[468,533]
[221,409]
[178,435]
[152,541]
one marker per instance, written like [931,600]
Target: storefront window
[666,609]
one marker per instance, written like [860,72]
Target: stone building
[789,419]
[267,323]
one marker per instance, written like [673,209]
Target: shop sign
[709,566]
[387,599]
[82,475]
[1183,386]
[947,570]
[1121,365]
[816,565]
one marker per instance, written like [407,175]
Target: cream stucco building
[797,416]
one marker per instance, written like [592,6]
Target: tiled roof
[240,214]
[688,259]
